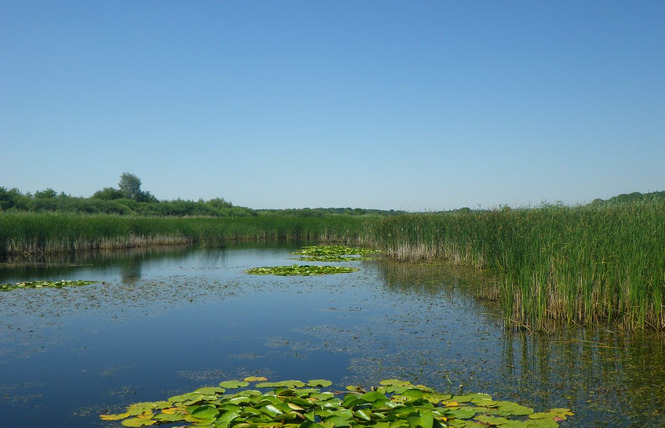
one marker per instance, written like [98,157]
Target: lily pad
[233,384]
[333,253]
[256,379]
[300,270]
[282,384]
[294,403]
[319,382]
[44,284]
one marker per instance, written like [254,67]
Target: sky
[384,104]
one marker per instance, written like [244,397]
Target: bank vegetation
[598,263]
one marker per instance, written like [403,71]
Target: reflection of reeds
[30,233]
[620,376]
[586,264]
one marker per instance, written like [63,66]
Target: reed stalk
[33,233]
[586,264]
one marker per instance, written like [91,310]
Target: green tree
[46,194]
[13,198]
[130,185]
[108,194]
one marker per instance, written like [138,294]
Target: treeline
[127,199]
[627,198]
[322,212]
[114,201]
[106,202]
[130,199]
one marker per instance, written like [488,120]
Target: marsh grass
[35,233]
[586,264]
[600,263]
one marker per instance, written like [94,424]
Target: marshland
[601,263]
[549,306]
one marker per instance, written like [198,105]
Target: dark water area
[164,321]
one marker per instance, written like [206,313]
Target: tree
[46,194]
[13,198]
[130,185]
[108,194]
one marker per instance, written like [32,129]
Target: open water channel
[165,321]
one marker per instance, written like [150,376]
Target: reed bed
[34,233]
[586,264]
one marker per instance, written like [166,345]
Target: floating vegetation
[44,284]
[300,270]
[304,404]
[333,253]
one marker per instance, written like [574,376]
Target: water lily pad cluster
[45,284]
[334,253]
[287,404]
[318,253]
[300,270]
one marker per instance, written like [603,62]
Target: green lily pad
[136,422]
[300,270]
[334,250]
[208,390]
[45,284]
[508,408]
[282,384]
[234,384]
[140,408]
[294,403]
[462,412]
[556,414]
[333,253]
[319,382]
[206,412]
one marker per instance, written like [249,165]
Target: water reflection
[168,320]
[610,378]
[64,266]
[617,377]
[439,279]
[130,271]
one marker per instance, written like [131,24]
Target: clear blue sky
[413,105]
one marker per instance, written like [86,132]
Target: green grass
[588,264]
[32,233]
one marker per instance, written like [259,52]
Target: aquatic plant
[300,270]
[334,253]
[587,264]
[39,233]
[394,403]
[601,263]
[45,284]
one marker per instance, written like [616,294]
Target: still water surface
[165,321]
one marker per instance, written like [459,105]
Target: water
[165,321]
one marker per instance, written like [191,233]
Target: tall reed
[586,264]
[58,232]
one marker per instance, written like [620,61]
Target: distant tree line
[627,198]
[129,199]
[321,212]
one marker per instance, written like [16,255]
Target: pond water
[165,321]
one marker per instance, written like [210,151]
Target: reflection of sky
[195,319]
